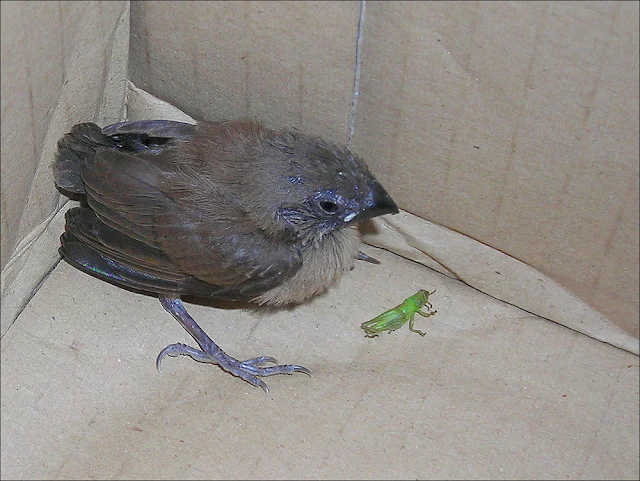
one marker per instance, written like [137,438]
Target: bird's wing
[96,248]
[156,217]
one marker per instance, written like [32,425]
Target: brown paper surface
[507,131]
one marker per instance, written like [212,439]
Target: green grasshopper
[398,316]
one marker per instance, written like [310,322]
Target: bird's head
[322,188]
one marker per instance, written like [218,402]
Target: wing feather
[173,228]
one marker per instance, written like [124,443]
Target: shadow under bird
[230,211]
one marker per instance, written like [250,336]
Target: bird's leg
[250,370]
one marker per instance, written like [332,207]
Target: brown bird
[228,210]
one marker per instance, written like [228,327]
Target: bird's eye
[328,207]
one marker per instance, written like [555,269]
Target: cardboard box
[508,134]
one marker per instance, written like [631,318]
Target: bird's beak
[378,202]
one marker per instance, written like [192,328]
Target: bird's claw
[250,370]
[260,361]
[364,257]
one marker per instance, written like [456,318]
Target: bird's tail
[75,150]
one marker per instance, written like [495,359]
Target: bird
[228,210]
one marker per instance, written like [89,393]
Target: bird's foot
[250,370]
[364,257]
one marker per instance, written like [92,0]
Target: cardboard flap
[92,88]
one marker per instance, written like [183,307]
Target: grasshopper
[398,316]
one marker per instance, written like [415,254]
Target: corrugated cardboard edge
[455,255]
[36,254]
